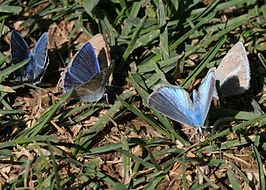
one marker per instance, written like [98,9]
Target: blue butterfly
[175,103]
[86,74]
[38,63]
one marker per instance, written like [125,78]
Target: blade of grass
[192,75]
[137,159]
[164,31]
[45,118]
[230,130]
[233,180]
[10,9]
[136,111]
[130,47]
[260,167]
[6,72]
[86,137]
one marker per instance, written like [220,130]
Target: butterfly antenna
[115,86]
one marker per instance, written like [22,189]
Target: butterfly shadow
[236,102]
[57,58]
[230,86]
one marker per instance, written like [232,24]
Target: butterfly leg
[106,97]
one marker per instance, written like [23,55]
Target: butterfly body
[88,73]
[34,70]
[94,89]
[93,94]
[175,103]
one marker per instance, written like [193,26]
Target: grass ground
[47,143]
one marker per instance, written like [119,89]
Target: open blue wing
[203,97]
[174,102]
[19,48]
[40,56]
[19,52]
[82,68]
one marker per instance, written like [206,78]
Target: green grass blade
[6,72]
[260,167]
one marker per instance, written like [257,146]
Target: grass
[47,143]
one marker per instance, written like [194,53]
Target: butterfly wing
[203,97]
[94,89]
[40,57]
[173,102]
[101,50]
[82,68]
[19,48]
[233,72]
[19,52]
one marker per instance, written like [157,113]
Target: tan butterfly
[233,73]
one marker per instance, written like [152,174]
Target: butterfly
[90,71]
[175,103]
[233,73]
[34,70]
